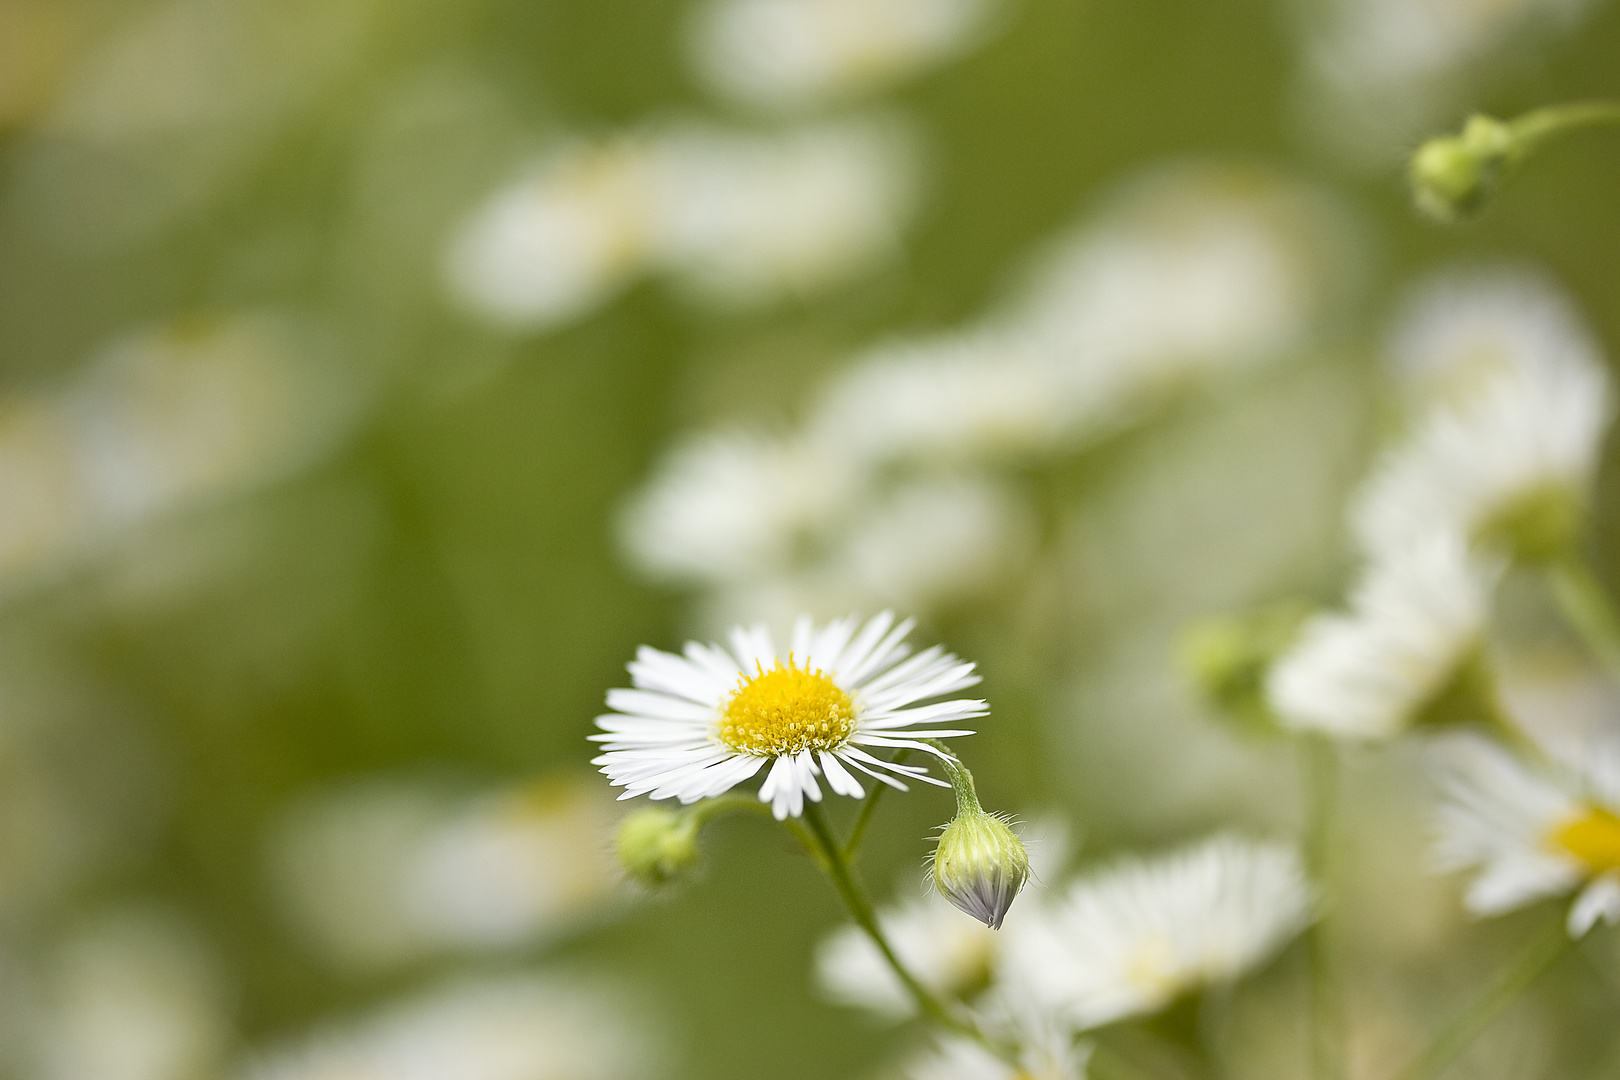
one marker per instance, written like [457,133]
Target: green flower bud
[1227,658]
[980,865]
[656,846]
[1454,176]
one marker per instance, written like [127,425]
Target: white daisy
[699,724]
[1511,461]
[1416,616]
[521,1026]
[1054,1057]
[948,952]
[1461,328]
[1531,833]
[730,506]
[1132,938]
[783,54]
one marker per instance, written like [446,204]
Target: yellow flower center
[1593,838]
[786,710]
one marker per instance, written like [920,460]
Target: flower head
[1414,623]
[1131,939]
[698,724]
[1531,833]
[980,865]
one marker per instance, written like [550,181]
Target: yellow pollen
[786,710]
[1593,838]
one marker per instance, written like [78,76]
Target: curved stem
[1587,607]
[1540,124]
[1532,962]
[1321,761]
[860,908]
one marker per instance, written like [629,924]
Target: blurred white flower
[561,239]
[164,420]
[1416,618]
[199,408]
[699,724]
[731,506]
[745,218]
[1531,833]
[736,217]
[1131,938]
[948,952]
[1056,1057]
[1512,459]
[135,995]
[387,872]
[1461,329]
[535,1026]
[980,394]
[785,54]
[1381,71]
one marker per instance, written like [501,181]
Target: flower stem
[1540,124]
[1534,959]
[1321,761]
[837,867]
[1588,608]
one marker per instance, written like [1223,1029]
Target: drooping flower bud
[656,846]
[1453,176]
[980,865]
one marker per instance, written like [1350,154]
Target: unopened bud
[980,865]
[1453,176]
[1227,659]
[656,846]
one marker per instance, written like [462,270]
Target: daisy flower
[1131,939]
[1415,619]
[1531,833]
[697,725]
[1512,460]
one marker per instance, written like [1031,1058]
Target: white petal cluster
[1502,817]
[663,739]
[1131,938]
[734,217]
[949,954]
[133,995]
[527,1026]
[883,496]
[1415,616]
[1384,71]
[1529,406]
[162,420]
[387,872]
[790,54]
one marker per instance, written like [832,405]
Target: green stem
[1214,1018]
[1537,956]
[868,808]
[1322,808]
[860,908]
[1538,125]
[1588,608]
[967,796]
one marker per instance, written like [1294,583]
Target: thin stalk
[1540,124]
[868,808]
[1588,608]
[860,908]
[1214,1018]
[1321,761]
[1533,960]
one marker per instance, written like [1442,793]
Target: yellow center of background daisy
[1593,838]
[786,710]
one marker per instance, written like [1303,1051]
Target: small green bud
[656,846]
[1454,176]
[1227,658]
[980,865]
